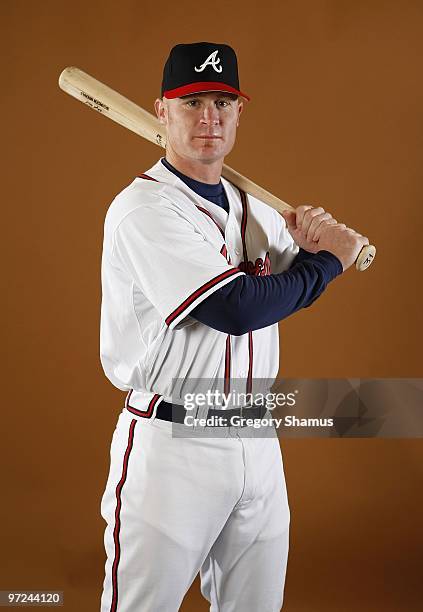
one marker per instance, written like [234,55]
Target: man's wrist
[334,262]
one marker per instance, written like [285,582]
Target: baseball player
[196,275]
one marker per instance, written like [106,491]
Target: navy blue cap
[197,67]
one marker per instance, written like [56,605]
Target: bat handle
[365,257]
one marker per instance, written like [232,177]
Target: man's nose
[210,114]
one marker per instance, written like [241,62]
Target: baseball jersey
[165,249]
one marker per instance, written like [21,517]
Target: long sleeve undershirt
[251,302]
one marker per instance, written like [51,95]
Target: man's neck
[205,173]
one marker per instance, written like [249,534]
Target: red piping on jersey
[227,381]
[244,247]
[116,530]
[127,398]
[142,413]
[206,212]
[244,225]
[250,367]
[224,252]
[149,178]
[190,299]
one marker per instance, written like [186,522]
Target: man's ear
[240,109]
[159,107]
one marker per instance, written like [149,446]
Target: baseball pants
[176,506]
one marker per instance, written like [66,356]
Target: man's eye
[222,103]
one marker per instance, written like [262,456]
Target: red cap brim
[194,88]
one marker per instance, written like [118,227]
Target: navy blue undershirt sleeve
[252,302]
[301,256]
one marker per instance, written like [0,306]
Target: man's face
[200,127]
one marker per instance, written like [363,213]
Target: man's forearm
[252,302]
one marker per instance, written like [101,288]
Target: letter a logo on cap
[210,61]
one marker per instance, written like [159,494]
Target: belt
[177,413]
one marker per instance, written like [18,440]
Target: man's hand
[305,225]
[343,242]
[315,230]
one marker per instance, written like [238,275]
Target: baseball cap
[198,67]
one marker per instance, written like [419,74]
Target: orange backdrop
[335,120]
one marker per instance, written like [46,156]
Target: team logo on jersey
[260,268]
[212,60]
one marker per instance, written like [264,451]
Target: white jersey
[165,250]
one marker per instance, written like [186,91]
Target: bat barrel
[107,101]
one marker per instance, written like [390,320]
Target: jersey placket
[228,349]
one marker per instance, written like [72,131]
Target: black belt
[177,413]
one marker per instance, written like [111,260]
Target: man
[195,277]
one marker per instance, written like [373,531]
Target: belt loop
[202,412]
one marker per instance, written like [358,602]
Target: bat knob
[365,257]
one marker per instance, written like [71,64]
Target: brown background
[335,119]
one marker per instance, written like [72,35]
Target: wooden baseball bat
[109,102]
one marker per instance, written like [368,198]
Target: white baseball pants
[177,506]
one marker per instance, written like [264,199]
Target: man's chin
[209,155]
